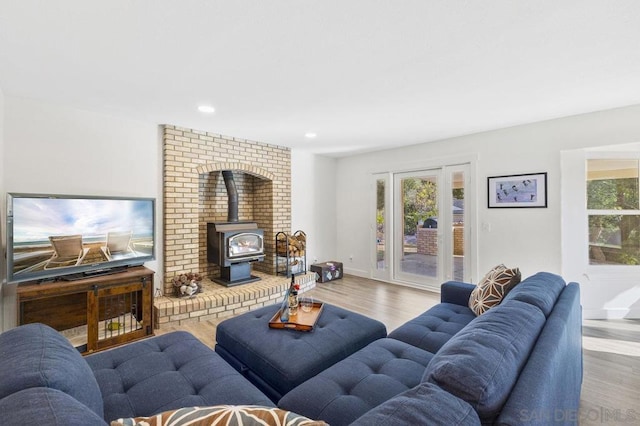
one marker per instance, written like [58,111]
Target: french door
[420,233]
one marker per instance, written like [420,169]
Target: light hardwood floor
[611,348]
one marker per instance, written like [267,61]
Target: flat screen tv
[70,236]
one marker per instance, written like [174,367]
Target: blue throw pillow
[425,404]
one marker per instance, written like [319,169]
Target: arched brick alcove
[255,203]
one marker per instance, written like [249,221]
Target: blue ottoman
[278,360]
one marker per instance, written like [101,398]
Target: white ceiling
[362,74]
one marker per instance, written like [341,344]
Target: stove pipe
[232,194]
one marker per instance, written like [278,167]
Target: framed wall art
[526,190]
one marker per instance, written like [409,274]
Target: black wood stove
[233,245]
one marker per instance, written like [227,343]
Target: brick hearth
[217,301]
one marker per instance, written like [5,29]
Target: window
[380,223]
[613,210]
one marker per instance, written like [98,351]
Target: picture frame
[527,190]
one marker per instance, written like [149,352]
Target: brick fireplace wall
[195,193]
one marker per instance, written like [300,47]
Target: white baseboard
[633,313]
[357,272]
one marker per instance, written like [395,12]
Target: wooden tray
[302,321]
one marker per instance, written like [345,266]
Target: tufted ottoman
[277,360]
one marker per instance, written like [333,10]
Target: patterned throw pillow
[493,287]
[222,415]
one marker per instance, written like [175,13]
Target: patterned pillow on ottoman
[493,287]
[222,415]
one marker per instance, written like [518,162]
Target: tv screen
[68,236]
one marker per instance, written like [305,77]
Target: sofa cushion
[492,288]
[433,328]
[167,372]
[46,406]
[481,364]
[360,382]
[425,404]
[541,290]
[222,415]
[36,355]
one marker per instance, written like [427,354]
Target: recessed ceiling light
[206,109]
[310,135]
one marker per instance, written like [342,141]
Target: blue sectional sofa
[518,363]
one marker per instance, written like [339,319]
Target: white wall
[527,238]
[313,203]
[53,149]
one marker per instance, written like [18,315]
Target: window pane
[614,240]
[380,224]
[612,184]
[457,192]
[420,222]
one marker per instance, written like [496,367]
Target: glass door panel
[417,237]
[459,235]
[380,224]
[381,253]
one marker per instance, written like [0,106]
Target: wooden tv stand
[94,313]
